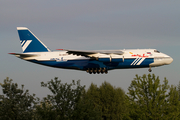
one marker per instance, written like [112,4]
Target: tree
[86,110]
[63,101]
[151,100]
[172,111]
[111,101]
[16,103]
[179,90]
[45,111]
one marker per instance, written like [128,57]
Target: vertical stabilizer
[29,42]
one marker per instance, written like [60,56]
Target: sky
[89,25]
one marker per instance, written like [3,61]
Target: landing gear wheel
[87,71]
[149,70]
[97,70]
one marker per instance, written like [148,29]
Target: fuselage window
[156,51]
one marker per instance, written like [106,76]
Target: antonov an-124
[91,61]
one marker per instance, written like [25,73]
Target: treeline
[146,99]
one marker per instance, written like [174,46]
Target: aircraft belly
[85,64]
[136,63]
[71,64]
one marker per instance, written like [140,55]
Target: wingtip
[22,28]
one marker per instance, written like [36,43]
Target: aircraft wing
[89,53]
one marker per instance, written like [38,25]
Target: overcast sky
[89,25]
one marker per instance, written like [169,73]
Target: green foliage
[172,111]
[147,99]
[86,110]
[110,100]
[179,90]
[65,103]
[45,111]
[151,100]
[16,104]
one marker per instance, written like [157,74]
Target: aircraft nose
[169,60]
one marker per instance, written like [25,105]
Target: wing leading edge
[89,53]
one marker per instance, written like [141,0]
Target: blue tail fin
[29,42]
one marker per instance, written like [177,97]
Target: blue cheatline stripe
[134,62]
[137,61]
[83,64]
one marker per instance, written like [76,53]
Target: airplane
[91,61]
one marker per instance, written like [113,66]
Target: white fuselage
[62,56]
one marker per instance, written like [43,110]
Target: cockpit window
[156,51]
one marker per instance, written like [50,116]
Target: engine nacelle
[111,58]
[104,58]
[117,58]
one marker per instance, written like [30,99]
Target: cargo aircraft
[91,61]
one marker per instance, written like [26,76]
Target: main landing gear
[149,69]
[97,70]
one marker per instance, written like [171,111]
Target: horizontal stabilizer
[21,55]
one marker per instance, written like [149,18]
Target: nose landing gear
[149,69]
